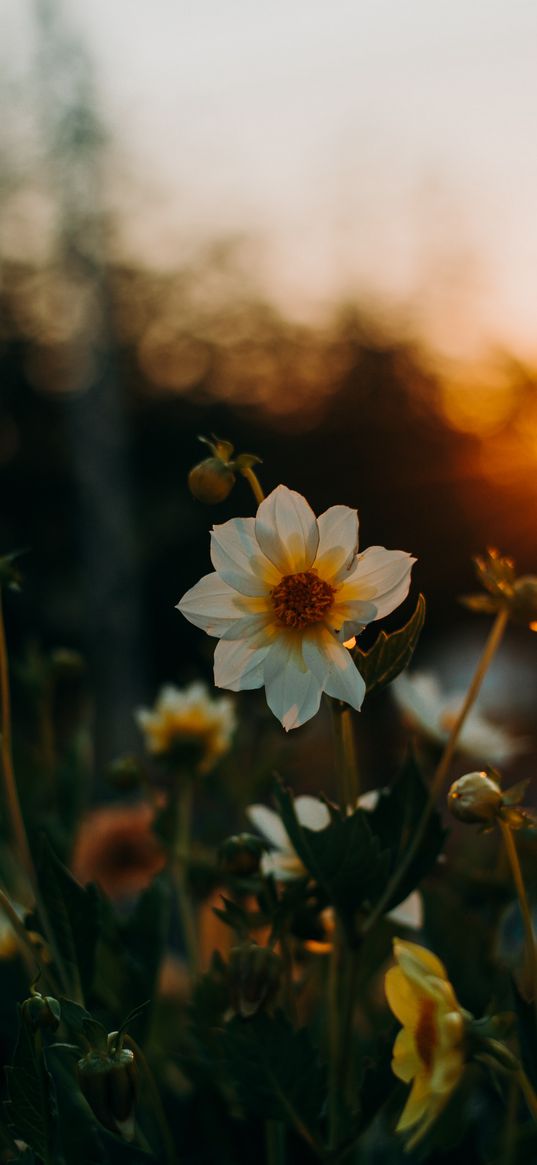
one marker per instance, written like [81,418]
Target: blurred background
[308,228]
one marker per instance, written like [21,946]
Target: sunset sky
[383,148]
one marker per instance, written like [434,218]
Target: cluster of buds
[212,480]
[478,799]
[504,591]
[108,1081]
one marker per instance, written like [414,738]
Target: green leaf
[346,859]
[72,912]
[394,821]
[31,1102]
[276,1070]
[527,1032]
[390,653]
[233,915]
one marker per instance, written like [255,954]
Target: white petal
[338,542]
[410,912]
[349,619]
[286,530]
[312,812]
[284,865]
[334,667]
[256,628]
[293,692]
[369,801]
[380,576]
[267,822]
[237,666]
[236,555]
[212,605]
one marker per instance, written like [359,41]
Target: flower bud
[524,604]
[475,798]
[108,1083]
[125,773]
[254,978]
[211,481]
[241,854]
[42,1011]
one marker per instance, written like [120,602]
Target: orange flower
[117,848]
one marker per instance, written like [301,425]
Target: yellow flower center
[301,599]
[425,1034]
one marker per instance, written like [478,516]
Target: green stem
[10,784]
[340,767]
[179,872]
[275,1142]
[527,1092]
[491,646]
[255,484]
[334,1037]
[17,820]
[525,909]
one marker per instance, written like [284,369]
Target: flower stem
[10,785]
[347,775]
[275,1142]
[490,649]
[491,646]
[179,871]
[528,1092]
[529,933]
[255,484]
[333,1019]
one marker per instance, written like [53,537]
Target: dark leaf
[276,1070]
[233,915]
[346,859]
[394,821]
[72,912]
[390,653]
[31,1104]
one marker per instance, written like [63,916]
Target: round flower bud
[124,773]
[241,854]
[254,978]
[475,798]
[211,481]
[524,601]
[42,1011]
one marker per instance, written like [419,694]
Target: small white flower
[185,717]
[284,863]
[288,590]
[431,712]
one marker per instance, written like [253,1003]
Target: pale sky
[385,148]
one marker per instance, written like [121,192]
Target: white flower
[284,863]
[420,699]
[185,717]
[288,590]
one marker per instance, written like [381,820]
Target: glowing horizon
[370,150]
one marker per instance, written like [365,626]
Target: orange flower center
[301,599]
[425,1034]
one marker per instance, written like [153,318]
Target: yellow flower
[430,1049]
[288,591]
[188,718]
